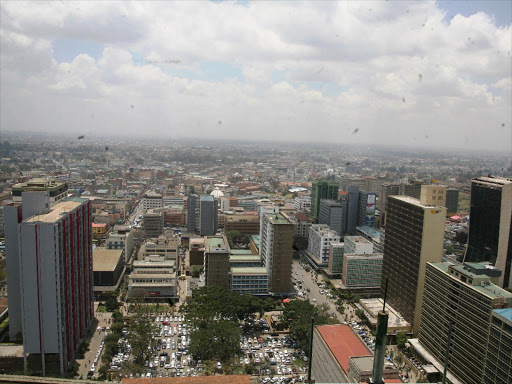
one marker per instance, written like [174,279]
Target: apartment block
[216,261]
[320,239]
[331,214]
[322,190]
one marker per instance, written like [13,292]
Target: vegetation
[300,243]
[111,304]
[142,328]
[401,340]
[215,314]
[235,237]
[297,316]
[196,270]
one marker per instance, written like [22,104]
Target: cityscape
[305,211]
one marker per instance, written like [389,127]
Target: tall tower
[414,237]
[192,213]
[208,220]
[322,189]
[276,249]
[53,249]
[490,230]
[216,261]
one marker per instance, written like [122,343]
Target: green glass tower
[322,190]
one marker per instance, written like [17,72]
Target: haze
[423,74]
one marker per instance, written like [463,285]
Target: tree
[103,371]
[196,270]
[401,339]
[360,313]
[141,328]
[297,317]
[399,360]
[111,304]
[219,340]
[300,243]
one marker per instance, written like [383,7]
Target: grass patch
[101,308]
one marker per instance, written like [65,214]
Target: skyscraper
[276,249]
[366,210]
[50,268]
[490,230]
[193,214]
[331,214]
[414,236]
[465,295]
[216,261]
[353,208]
[322,190]
[208,220]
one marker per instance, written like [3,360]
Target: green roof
[214,242]
[256,239]
[244,258]
[248,271]
[277,218]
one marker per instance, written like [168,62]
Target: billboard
[369,220]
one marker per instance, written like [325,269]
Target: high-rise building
[322,190]
[452,201]
[153,221]
[386,191]
[362,270]
[276,250]
[331,214]
[358,245]
[49,253]
[466,296]
[57,190]
[366,210]
[208,215]
[352,209]
[152,200]
[216,261]
[319,243]
[412,189]
[414,237]
[193,214]
[490,229]
[121,238]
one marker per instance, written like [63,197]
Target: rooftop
[57,211]
[416,202]
[248,271]
[206,198]
[498,181]
[105,260]
[240,252]
[505,313]
[373,306]
[301,217]
[343,343]
[369,231]
[217,244]
[277,218]
[357,239]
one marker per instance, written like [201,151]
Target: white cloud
[310,71]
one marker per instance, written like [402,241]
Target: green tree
[196,270]
[219,340]
[297,317]
[103,372]
[360,313]
[111,304]
[300,243]
[141,328]
[401,339]
[399,360]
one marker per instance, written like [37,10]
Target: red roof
[99,225]
[343,343]
[301,217]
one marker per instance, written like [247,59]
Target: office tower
[358,245]
[466,296]
[366,209]
[322,190]
[193,214]
[343,199]
[330,214]
[336,251]
[358,182]
[412,189]
[216,261]
[224,204]
[352,209]
[320,239]
[152,200]
[362,270]
[208,220]
[50,273]
[433,194]
[414,237]
[452,201]
[276,249]
[490,230]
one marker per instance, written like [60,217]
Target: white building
[49,269]
[302,203]
[358,245]
[320,239]
[224,204]
[152,200]
[154,277]
[173,200]
[121,238]
[249,280]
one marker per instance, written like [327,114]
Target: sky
[415,73]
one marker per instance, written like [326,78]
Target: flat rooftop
[369,231]
[105,260]
[343,343]
[358,239]
[505,313]
[249,271]
[216,244]
[57,211]
[414,201]
[372,308]
[277,218]
[492,180]
[240,252]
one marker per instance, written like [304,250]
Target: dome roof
[217,193]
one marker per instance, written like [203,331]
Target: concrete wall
[325,367]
